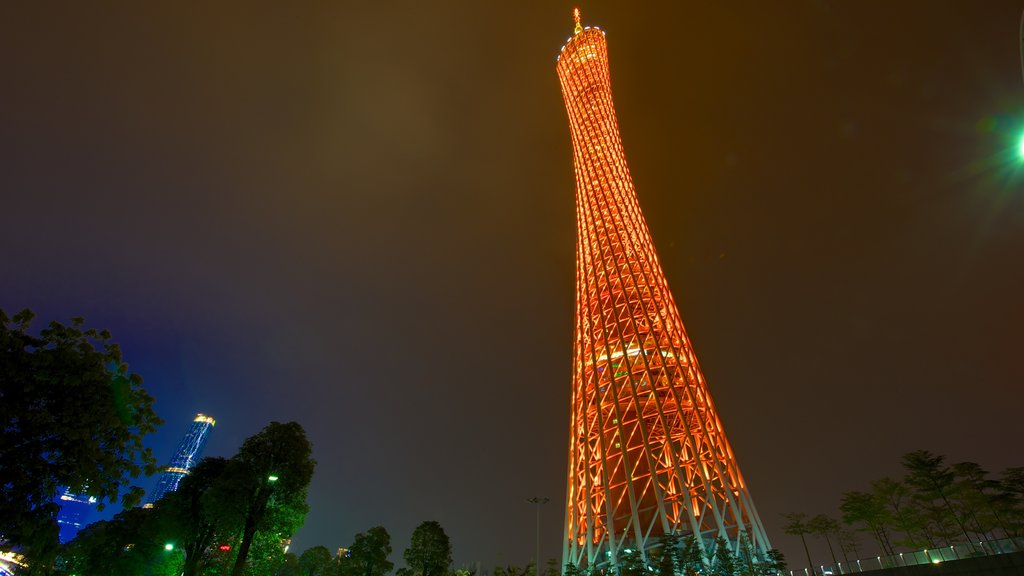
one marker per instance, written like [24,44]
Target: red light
[224,547]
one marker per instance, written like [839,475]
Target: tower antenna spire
[576,18]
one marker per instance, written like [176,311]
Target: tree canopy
[73,416]
[934,505]
[430,551]
[272,472]
[316,561]
[368,555]
[208,518]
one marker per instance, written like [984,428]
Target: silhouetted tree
[290,566]
[196,520]
[369,553]
[690,558]
[823,527]
[273,468]
[132,543]
[316,561]
[977,498]
[430,551]
[570,569]
[73,416]
[775,563]
[631,563]
[797,525]
[1011,498]
[662,558]
[870,514]
[903,515]
[551,568]
[848,543]
[724,562]
[931,481]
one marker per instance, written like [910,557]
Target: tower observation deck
[647,451]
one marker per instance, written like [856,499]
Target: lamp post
[538,501]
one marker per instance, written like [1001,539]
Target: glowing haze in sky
[360,216]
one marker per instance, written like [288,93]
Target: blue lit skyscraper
[185,457]
[74,511]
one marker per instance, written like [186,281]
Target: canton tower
[647,452]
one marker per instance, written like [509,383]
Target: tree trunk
[191,563]
[251,520]
[808,552]
[243,547]
[830,551]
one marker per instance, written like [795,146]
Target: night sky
[361,217]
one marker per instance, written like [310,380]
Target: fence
[927,556]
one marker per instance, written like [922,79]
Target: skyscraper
[74,513]
[185,457]
[647,452]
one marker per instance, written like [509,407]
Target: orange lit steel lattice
[647,451]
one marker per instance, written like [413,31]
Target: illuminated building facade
[647,452]
[185,457]
[74,514]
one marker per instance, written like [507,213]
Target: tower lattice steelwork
[185,457]
[647,451]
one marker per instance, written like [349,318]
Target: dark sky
[360,217]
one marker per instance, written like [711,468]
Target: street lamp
[271,478]
[169,546]
[538,501]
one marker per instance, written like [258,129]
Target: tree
[848,543]
[132,543]
[724,563]
[73,416]
[273,469]
[870,514]
[905,518]
[551,568]
[663,556]
[932,480]
[195,517]
[823,527]
[369,553]
[631,563]
[775,563]
[977,497]
[1011,498]
[430,551]
[748,558]
[290,566]
[797,525]
[316,561]
[513,570]
[689,556]
[570,569]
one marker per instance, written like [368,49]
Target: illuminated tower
[647,451]
[185,457]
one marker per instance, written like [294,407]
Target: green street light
[169,546]
[271,478]
[1020,148]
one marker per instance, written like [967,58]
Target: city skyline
[359,217]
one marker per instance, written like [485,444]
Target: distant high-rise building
[648,454]
[185,457]
[74,512]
